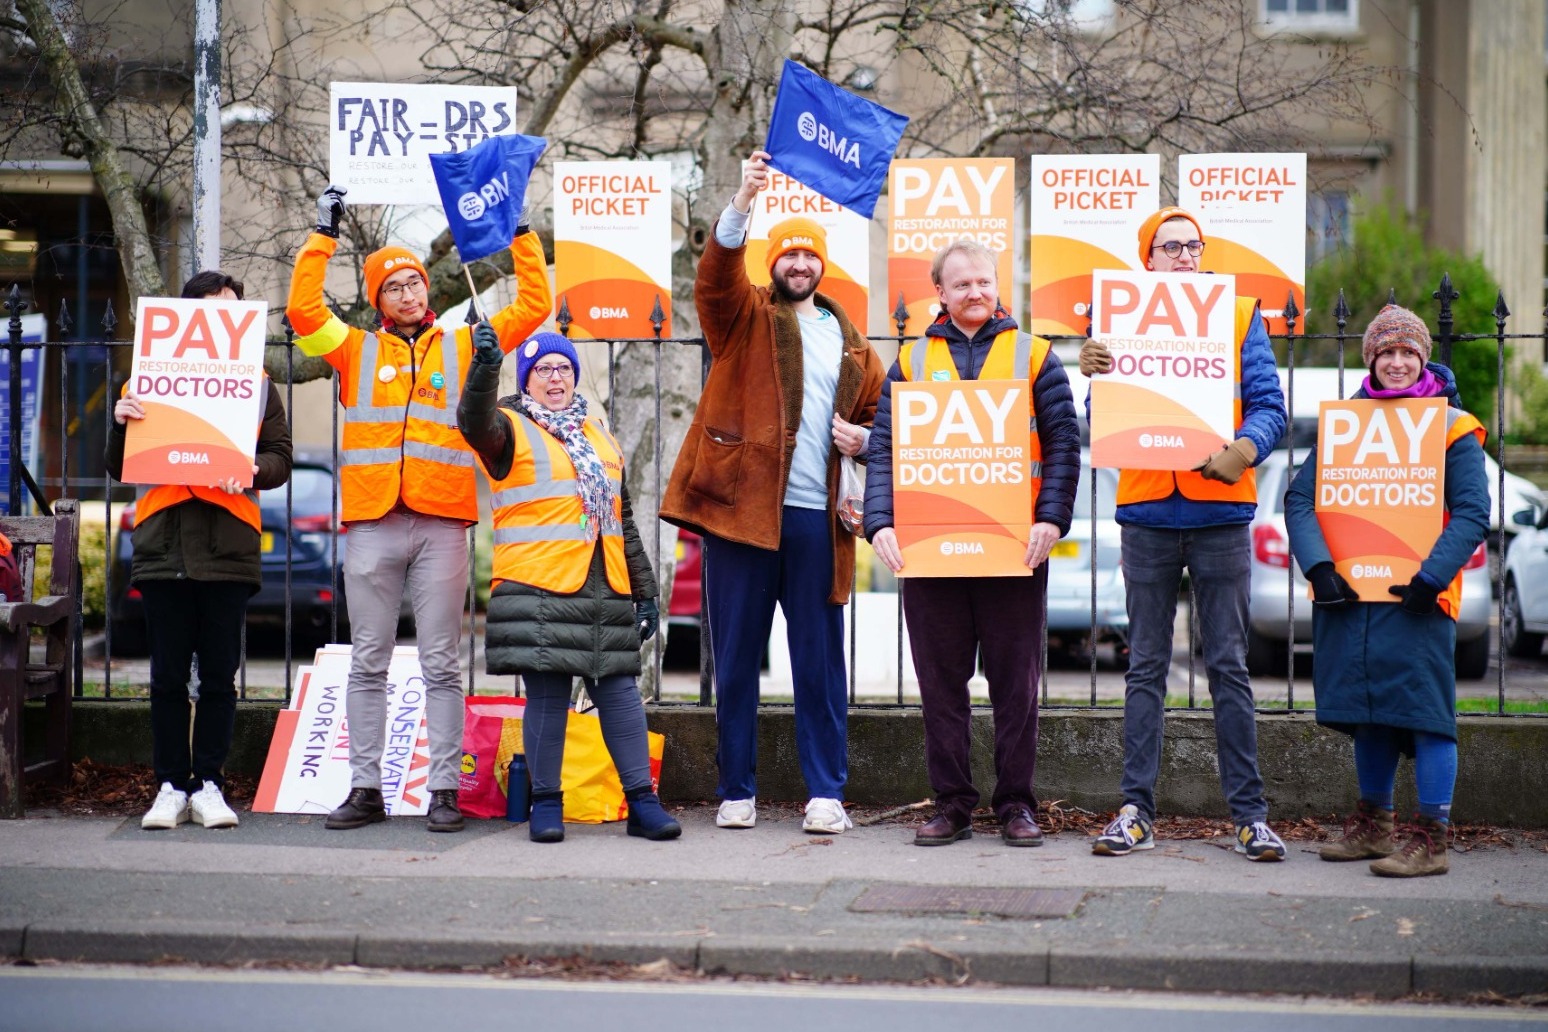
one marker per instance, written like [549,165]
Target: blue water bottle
[518,793]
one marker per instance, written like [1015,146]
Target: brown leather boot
[1367,836]
[1423,853]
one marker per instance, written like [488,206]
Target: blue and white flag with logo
[830,140]
[482,190]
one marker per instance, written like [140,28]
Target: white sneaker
[209,808]
[168,811]
[737,813]
[825,817]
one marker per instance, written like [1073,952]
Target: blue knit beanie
[535,347]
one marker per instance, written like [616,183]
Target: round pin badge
[532,348]
[437,381]
[387,373]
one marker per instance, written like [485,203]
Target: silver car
[1071,626]
[1277,583]
[1524,621]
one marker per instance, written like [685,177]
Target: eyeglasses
[546,372]
[415,284]
[1174,248]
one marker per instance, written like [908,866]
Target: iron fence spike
[900,313]
[1341,310]
[109,321]
[64,322]
[564,318]
[1501,310]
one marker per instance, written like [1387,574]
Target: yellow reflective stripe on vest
[324,340]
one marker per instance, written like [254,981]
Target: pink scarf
[1427,386]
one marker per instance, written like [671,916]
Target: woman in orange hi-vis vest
[408,486]
[196,563]
[1385,673]
[573,593]
[1195,519]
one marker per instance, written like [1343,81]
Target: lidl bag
[491,735]
[592,791]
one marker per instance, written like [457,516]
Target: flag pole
[473,293]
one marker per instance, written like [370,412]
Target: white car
[1524,619]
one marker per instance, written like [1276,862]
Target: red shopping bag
[491,735]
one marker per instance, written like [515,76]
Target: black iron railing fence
[83,389]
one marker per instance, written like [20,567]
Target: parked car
[1524,620]
[316,573]
[683,607]
[1271,594]
[1071,628]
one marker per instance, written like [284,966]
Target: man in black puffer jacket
[951,620]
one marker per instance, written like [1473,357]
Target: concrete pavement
[771,901]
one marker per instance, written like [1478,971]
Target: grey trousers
[427,556]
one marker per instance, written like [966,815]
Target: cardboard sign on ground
[1381,488]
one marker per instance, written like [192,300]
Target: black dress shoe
[361,807]
[942,830]
[1021,829]
[444,815]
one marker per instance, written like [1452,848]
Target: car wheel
[1521,643]
[1472,658]
[1265,656]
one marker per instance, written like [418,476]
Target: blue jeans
[1218,560]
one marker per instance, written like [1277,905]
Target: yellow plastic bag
[592,791]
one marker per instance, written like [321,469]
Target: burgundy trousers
[951,622]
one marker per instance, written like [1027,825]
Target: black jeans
[184,619]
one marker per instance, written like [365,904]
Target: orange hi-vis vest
[1012,356]
[149,500]
[400,427]
[540,534]
[1458,425]
[1148,485]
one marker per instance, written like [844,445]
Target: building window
[1327,224]
[1331,15]
[1083,15]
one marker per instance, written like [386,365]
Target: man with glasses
[408,489]
[1195,519]
[792,388]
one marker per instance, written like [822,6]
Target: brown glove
[1095,358]
[1229,463]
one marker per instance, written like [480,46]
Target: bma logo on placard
[813,131]
[175,457]
[1160,441]
[962,548]
[472,205]
[1370,570]
[604,312]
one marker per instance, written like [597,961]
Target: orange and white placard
[1252,209]
[613,245]
[1167,404]
[961,489]
[1381,488]
[847,276]
[307,769]
[198,370]
[932,202]
[1085,213]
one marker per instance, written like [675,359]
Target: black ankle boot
[547,821]
[648,818]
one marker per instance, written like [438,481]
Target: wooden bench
[22,679]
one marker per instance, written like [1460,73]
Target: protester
[954,620]
[196,563]
[793,386]
[573,592]
[1384,671]
[1195,520]
[408,490]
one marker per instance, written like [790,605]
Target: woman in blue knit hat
[573,592]
[1384,671]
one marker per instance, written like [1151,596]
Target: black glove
[486,345]
[330,209]
[1418,595]
[1329,589]
[647,618]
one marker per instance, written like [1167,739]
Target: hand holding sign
[1229,463]
[128,407]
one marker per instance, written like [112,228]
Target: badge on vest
[940,374]
[437,381]
[387,373]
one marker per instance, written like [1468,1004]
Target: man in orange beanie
[408,488]
[793,388]
[1195,519]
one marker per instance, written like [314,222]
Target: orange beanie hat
[1148,229]
[381,264]
[797,234]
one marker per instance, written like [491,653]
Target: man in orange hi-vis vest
[409,491]
[1197,519]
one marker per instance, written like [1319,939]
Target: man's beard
[783,289]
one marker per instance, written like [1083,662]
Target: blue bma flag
[482,190]
[830,140]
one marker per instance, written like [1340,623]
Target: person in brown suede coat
[793,386]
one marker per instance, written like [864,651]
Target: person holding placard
[573,593]
[197,561]
[408,487]
[1384,671]
[792,387]
[1194,519]
[952,621]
